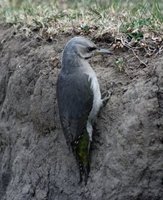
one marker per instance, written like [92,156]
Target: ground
[127,149]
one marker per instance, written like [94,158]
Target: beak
[103,52]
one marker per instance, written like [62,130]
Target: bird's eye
[91,48]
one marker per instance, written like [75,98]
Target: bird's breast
[97,101]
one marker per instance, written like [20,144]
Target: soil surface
[127,149]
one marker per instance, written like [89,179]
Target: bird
[79,98]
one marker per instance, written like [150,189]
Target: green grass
[132,18]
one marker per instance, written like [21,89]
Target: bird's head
[83,48]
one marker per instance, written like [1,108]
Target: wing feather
[75,99]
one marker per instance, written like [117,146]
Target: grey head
[80,48]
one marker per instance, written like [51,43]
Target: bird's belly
[97,101]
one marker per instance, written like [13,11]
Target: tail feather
[82,153]
[84,173]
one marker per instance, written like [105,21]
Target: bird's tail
[82,152]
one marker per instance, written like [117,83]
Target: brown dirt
[126,153]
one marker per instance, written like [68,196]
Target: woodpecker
[79,99]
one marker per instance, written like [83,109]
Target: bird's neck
[72,63]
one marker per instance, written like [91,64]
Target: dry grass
[130,23]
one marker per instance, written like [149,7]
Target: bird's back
[75,99]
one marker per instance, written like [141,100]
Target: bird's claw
[107,94]
[106,97]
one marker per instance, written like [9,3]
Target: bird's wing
[75,99]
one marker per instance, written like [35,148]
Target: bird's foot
[107,94]
[106,97]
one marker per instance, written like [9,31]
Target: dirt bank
[127,150]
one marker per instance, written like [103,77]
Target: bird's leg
[106,95]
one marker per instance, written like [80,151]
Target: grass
[132,18]
[135,25]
